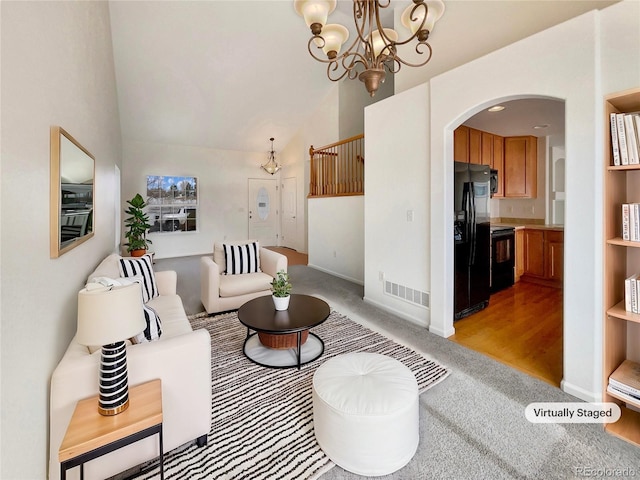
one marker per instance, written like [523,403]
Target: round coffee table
[281,339]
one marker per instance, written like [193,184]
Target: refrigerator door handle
[472,223]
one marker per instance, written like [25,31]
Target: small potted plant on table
[138,224]
[281,289]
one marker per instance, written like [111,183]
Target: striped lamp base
[114,385]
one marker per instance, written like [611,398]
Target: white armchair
[221,292]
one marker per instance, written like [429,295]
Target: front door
[263,211]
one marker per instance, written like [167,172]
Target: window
[173,203]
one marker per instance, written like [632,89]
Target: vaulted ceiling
[229,74]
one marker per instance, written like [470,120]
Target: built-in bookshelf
[621,329]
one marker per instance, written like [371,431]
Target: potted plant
[281,289]
[137,224]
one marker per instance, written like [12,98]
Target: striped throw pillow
[242,258]
[143,267]
[153,330]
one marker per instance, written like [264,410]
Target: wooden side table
[91,435]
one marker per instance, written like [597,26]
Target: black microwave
[493,182]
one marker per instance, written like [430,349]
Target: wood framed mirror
[72,193]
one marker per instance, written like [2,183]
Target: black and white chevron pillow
[143,267]
[242,258]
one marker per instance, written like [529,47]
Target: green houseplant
[281,290]
[137,224]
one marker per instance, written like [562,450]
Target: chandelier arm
[333,67]
[409,64]
[393,64]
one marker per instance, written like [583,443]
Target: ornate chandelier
[374,48]
[271,166]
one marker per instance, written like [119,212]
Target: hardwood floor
[293,256]
[521,327]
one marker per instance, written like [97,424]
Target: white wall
[57,69]
[223,190]
[396,179]
[353,100]
[336,228]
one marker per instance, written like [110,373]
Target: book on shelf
[622,139]
[632,141]
[625,138]
[631,293]
[623,395]
[615,151]
[630,222]
[626,378]
[622,387]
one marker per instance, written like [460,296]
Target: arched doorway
[522,324]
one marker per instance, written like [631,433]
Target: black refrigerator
[472,238]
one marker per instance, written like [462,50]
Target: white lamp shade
[109,314]
[435,9]
[334,37]
[379,42]
[314,11]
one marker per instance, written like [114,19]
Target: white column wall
[396,183]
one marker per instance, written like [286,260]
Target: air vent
[407,294]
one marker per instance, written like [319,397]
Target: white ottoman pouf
[365,412]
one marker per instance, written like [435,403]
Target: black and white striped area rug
[262,418]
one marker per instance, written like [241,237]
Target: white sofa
[181,358]
[220,292]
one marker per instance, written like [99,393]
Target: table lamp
[107,316]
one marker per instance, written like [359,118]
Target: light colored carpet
[472,426]
[262,418]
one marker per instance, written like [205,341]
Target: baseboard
[579,392]
[440,332]
[404,316]
[336,274]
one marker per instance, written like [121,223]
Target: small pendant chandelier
[271,166]
[374,48]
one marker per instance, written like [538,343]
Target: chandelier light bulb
[379,42]
[334,37]
[435,9]
[315,12]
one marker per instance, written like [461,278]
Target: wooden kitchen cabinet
[543,256]
[461,144]
[520,167]
[519,254]
[497,163]
[475,146]
[534,252]
[555,255]
[487,148]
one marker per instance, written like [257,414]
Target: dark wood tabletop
[304,312]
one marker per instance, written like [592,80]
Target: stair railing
[337,169]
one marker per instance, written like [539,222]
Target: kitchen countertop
[533,226]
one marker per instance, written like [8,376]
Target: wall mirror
[72,185]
